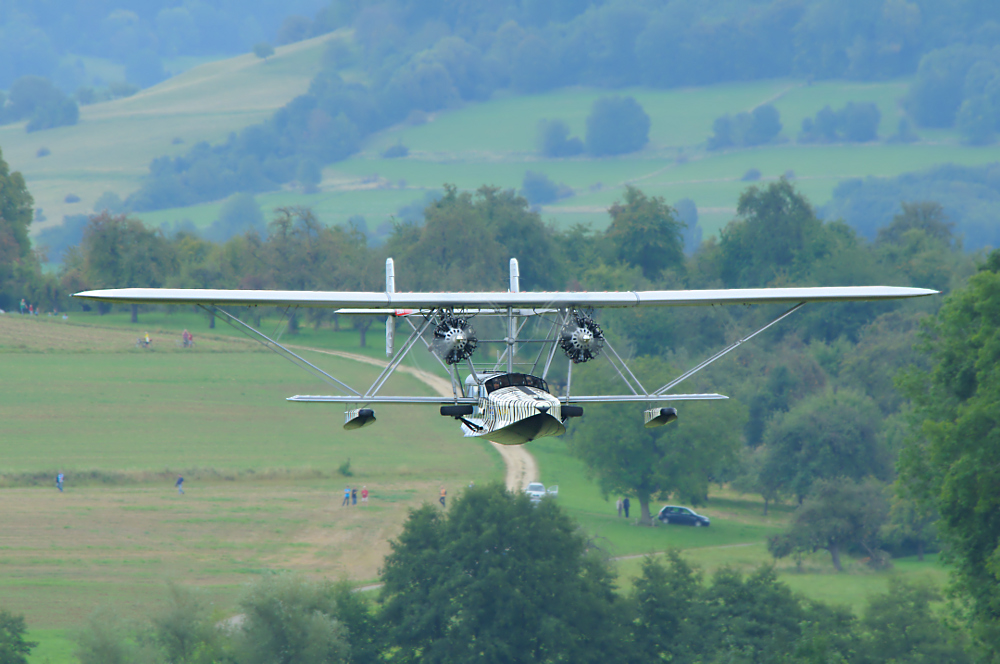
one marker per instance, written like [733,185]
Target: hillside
[493,143]
[111,146]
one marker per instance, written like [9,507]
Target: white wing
[393,301]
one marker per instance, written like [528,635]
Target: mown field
[111,146]
[263,492]
[493,143]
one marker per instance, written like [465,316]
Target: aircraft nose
[542,407]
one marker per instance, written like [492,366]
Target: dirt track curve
[522,469]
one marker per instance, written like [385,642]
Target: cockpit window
[514,380]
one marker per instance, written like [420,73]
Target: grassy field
[111,146]
[263,491]
[493,143]
[482,143]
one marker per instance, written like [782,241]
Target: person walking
[24,306]
[625,506]
[180,485]
[347,497]
[59,482]
[620,505]
[444,494]
[364,496]
[354,496]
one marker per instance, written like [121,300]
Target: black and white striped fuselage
[515,415]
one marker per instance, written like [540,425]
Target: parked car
[536,491]
[682,516]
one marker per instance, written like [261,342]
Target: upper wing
[375,300]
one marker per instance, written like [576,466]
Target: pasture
[111,146]
[263,493]
[493,143]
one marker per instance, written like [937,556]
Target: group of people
[351,496]
[187,339]
[623,505]
[30,309]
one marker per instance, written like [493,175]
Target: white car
[536,491]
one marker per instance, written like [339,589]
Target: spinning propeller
[454,339]
[582,339]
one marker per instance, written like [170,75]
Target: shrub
[616,125]
[539,189]
[752,175]
[553,139]
[745,129]
[855,123]
[345,469]
[263,50]
[396,151]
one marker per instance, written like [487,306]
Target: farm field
[111,146]
[493,143]
[262,487]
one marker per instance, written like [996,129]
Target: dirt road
[522,469]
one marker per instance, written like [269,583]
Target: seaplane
[506,401]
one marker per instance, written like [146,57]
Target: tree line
[498,579]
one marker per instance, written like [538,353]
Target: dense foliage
[970,194]
[952,459]
[496,579]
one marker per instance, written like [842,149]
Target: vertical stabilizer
[515,277]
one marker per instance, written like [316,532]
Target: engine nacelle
[358,418]
[657,417]
[581,339]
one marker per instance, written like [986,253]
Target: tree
[627,458]
[616,125]
[745,129]
[912,523]
[183,629]
[646,233]
[496,579]
[290,620]
[263,50]
[774,226]
[17,262]
[14,649]
[120,252]
[538,189]
[827,435]
[670,611]
[553,139]
[951,461]
[901,626]
[838,513]
[239,214]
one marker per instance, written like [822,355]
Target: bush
[854,123]
[39,100]
[263,50]
[396,151]
[752,175]
[345,469]
[539,189]
[616,125]
[553,140]
[745,129]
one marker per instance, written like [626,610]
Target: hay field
[263,490]
[111,146]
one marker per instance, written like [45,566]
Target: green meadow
[493,143]
[263,490]
[469,146]
[111,146]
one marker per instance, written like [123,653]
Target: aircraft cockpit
[515,380]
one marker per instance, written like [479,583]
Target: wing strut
[277,348]
[690,372]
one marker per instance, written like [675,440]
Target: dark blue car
[682,516]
